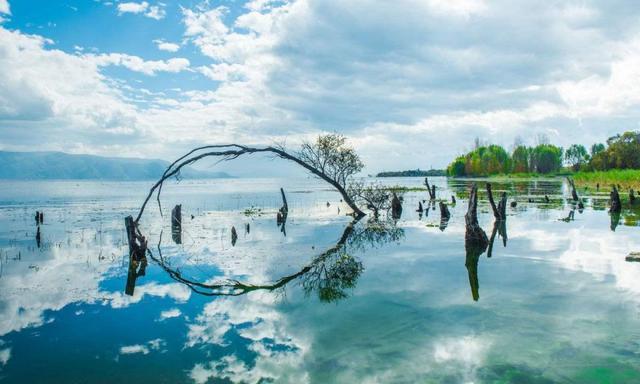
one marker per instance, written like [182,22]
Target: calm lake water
[326,300]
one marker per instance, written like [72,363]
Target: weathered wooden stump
[444,212]
[453,200]
[500,211]
[234,236]
[396,207]
[614,201]
[420,209]
[474,235]
[176,224]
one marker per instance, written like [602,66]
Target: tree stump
[474,235]
[614,200]
[396,207]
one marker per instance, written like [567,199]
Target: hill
[59,165]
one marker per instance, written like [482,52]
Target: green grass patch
[627,178]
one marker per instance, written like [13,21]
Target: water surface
[326,300]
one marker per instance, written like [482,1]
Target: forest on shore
[620,152]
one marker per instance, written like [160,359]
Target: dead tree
[499,212]
[574,193]
[474,235]
[614,201]
[137,242]
[475,242]
[431,189]
[283,212]
[326,166]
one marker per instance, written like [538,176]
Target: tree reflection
[329,275]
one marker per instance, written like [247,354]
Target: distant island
[59,165]
[413,173]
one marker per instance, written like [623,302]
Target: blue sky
[410,83]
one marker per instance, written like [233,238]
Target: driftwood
[614,201]
[176,224]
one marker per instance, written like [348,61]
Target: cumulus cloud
[166,46]
[135,63]
[398,77]
[151,11]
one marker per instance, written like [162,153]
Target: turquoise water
[330,301]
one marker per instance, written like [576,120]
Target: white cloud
[4,7]
[166,46]
[397,77]
[131,349]
[135,63]
[132,7]
[5,355]
[151,11]
[170,313]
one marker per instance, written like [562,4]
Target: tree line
[621,151]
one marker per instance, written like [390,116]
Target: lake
[324,300]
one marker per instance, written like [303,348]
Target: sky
[411,83]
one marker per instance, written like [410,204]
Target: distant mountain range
[58,165]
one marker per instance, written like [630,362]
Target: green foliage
[520,159]
[482,161]
[546,158]
[576,156]
[622,152]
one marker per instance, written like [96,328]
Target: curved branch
[233,151]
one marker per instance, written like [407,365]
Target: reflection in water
[329,274]
[615,220]
[500,228]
